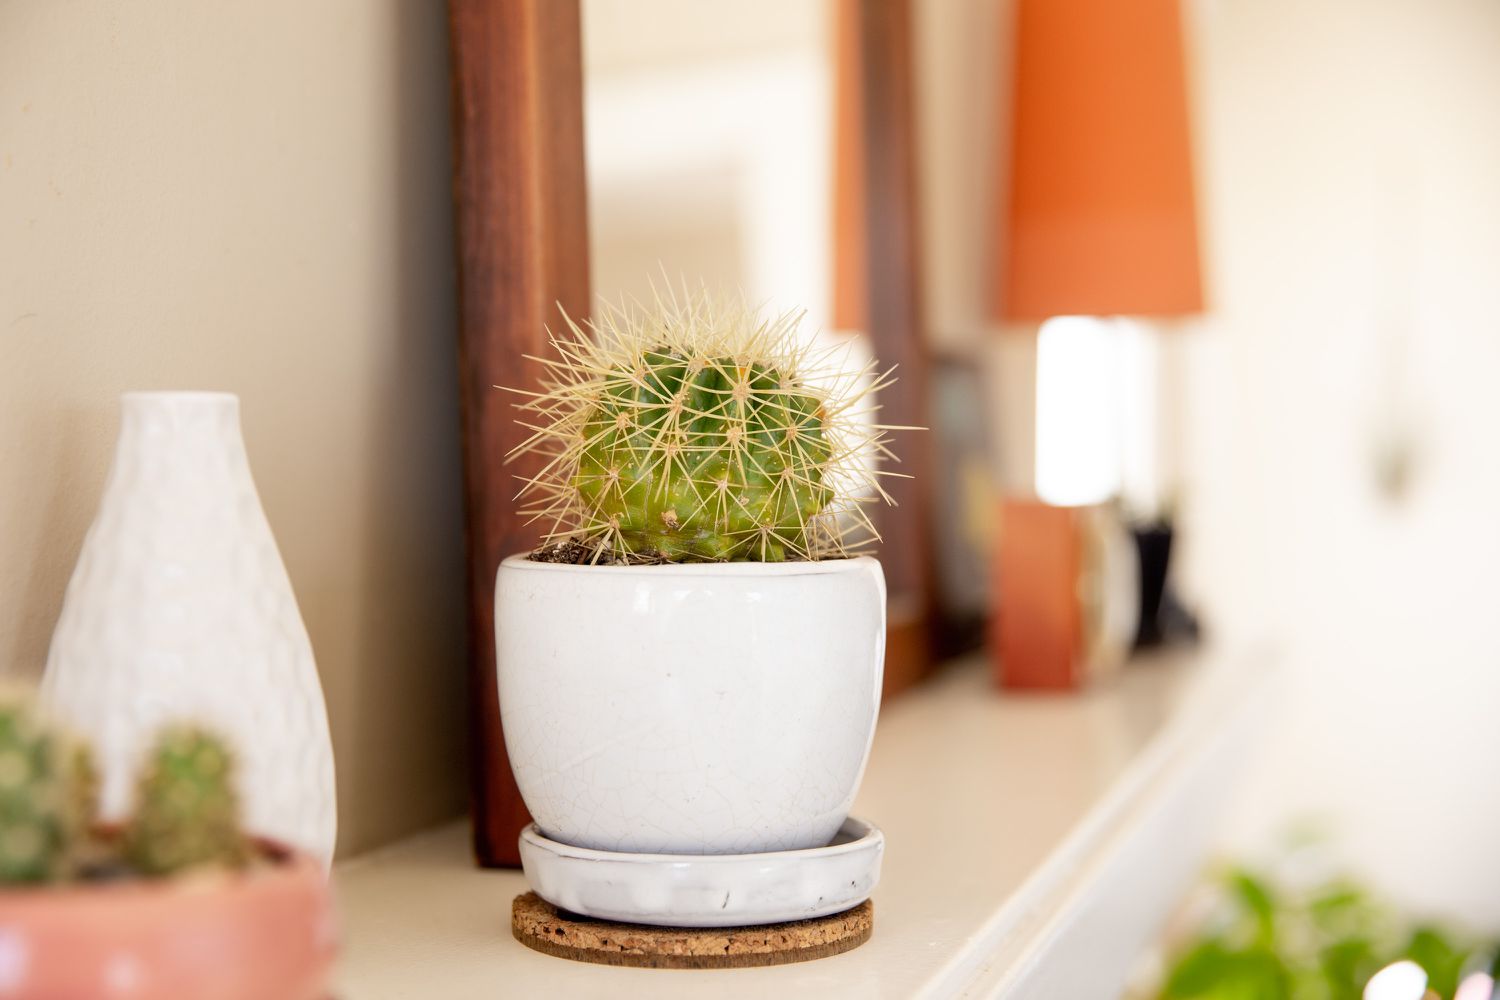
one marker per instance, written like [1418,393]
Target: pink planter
[265,934]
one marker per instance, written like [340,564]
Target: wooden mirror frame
[521,198]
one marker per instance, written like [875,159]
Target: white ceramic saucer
[707,890]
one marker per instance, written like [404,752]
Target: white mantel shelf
[1033,846]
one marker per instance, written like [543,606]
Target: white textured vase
[717,708]
[180,609]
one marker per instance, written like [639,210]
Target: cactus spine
[701,432]
[187,811]
[34,803]
[83,789]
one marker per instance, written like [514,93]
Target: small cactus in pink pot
[80,899]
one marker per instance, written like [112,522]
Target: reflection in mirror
[709,138]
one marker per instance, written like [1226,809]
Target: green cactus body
[695,434]
[34,802]
[187,812]
[704,458]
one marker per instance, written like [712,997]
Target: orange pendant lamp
[1099,218]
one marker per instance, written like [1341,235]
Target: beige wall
[250,197]
[1349,152]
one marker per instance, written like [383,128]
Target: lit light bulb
[1078,433]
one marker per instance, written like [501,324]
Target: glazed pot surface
[265,933]
[712,708]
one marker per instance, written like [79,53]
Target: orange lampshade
[850,253]
[1099,218]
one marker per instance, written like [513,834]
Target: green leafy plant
[700,431]
[186,816]
[1264,941]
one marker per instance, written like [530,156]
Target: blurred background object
[965,501]
[1101,216]
[1098,220]
[1302,934]
[1068,597]
[180,608]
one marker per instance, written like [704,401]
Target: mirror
[709,143]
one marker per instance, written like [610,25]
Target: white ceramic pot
[718,708]
[180,610]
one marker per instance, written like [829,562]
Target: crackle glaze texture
[714,890]
[180,609]
[716,708]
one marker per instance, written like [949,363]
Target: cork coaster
[539,925]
